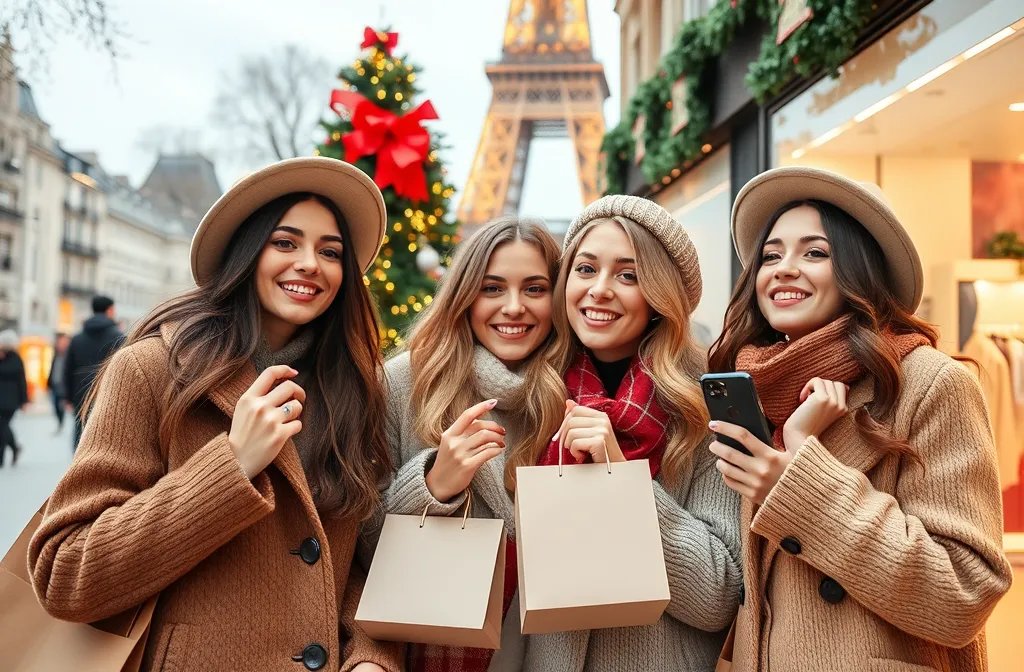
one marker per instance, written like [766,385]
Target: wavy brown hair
[441,348]
[668,350]
[217,330]
[862,277]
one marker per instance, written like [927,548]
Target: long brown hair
[218,330]
[860,272]
[441,348]
[668,350]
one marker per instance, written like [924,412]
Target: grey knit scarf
[494,380]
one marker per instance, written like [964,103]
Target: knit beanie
[662,226]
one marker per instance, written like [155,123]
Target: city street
[44,458]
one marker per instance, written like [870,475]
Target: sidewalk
[44,459]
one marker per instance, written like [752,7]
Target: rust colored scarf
[781,370]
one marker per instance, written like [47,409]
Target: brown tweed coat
[863,561]
[222,550]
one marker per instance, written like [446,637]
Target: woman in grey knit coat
[479,350]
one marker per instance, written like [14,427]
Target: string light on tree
[379,126]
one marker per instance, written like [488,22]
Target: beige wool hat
[659,222]
[762,197]
[350,189]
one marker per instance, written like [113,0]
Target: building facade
[928,103]
[69,231]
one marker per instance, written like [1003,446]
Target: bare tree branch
[268,106]
[37,26]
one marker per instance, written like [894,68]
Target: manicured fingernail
[555,437]
[713,424]
[492,403]
[502,430]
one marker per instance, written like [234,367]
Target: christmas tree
[379,129]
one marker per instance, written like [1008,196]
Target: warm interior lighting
[992,41]
[84,179]
[877,107]
[914,86]
[934,74]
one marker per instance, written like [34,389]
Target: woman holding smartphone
[629,281]
[873,523]
[236,440]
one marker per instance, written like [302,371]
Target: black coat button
[314,657]
[790,545]
[309,551]
[831,591]
[743,594]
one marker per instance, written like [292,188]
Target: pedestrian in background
[99,338]
[13,392]
[57,379]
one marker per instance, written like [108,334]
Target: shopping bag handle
[607,460]
[465,514]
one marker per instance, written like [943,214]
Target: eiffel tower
[546,85]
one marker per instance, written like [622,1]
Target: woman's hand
[465,446]
[265,418]
[822,403]
[368,667]
[753,476]
[586,431]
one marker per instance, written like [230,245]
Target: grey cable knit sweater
[699,526]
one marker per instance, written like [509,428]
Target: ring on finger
[287,409]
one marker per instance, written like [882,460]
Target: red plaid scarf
[640,426]
[640,423]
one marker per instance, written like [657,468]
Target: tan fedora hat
[762,197]
[352,190]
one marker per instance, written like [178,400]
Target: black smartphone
[732,398]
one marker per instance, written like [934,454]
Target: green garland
[826,41]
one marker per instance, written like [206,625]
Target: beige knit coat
[860,560]
[219,548]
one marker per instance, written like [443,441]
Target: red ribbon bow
[372,38]
[400,142]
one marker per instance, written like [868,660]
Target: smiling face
[606,309]
[299,271]
[796,287]
[511,315]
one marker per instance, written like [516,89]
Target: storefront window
[700,200]
[934,114]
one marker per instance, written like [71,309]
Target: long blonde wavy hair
[441,348]
[668,351]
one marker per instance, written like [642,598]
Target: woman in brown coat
[873,526]
[235,442]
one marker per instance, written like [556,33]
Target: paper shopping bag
[589,547]
[436,580]
[33,641]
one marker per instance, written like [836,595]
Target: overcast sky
[170,76]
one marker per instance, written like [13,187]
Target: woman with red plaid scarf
[628,284]
[474,396]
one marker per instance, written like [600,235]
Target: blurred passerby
[99,338]
[57,380]
[13,392]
